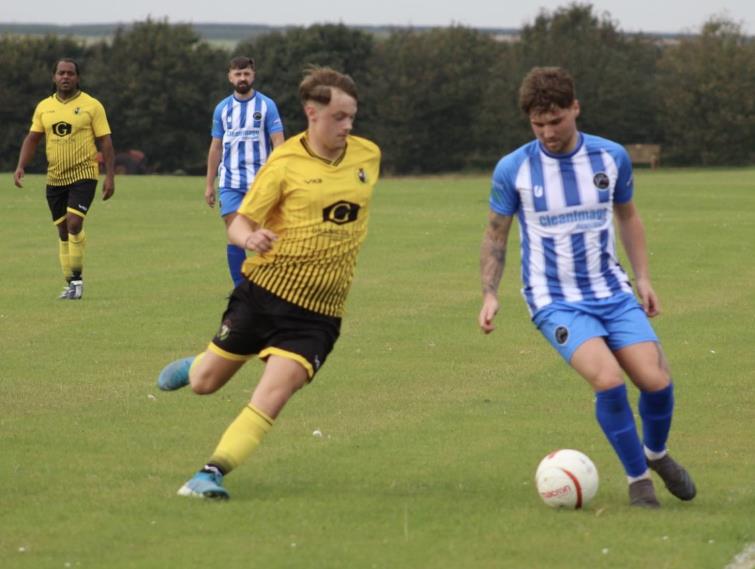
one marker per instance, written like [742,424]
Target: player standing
[565,188]
[246,127]
[73,124]
[305,219]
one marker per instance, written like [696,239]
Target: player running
[565,188]
[305,219]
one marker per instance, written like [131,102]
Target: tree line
[436,100]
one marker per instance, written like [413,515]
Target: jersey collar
[312,153]
[69,99]
[580,142]
[235,98]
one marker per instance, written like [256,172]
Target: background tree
[282,57]
[708,96]
[502,126]
[437,100]
[614,73]
[159,83]
[429,97]
[27,79]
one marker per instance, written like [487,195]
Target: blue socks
[615,418]
[656,410]
[236,258]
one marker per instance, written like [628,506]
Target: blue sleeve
[504,199]
[217,122]
[624,189]
[273,121]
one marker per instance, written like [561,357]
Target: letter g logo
[62,128]
[341,212]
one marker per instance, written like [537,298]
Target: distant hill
[212,32]
[233,33]
[208,31]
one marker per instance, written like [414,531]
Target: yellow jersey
[319,211]
[70,128]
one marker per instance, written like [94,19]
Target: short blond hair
[318,83]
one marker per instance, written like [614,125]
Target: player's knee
[653,379]
[607,379]
[203,388]
[203,382]
[74,224]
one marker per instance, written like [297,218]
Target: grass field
[431,431]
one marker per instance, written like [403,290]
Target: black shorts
[76,198]
[258,322]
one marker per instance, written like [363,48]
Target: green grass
[431,431]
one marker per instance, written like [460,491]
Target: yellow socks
[65,263]
[241,438]
[197,359]
[76,244]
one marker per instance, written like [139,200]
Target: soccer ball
[566,479]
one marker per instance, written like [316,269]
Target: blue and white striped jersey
[564,204]
[244,128]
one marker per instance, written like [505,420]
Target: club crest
[562,335]
[601,181]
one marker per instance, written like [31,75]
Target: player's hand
[18,175]
[260,241]
[108,189]
[487,314]
[209,196]
[649,300]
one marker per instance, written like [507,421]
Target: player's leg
[57,198]
[212,369]
[229,202]
[297,345]
[646,365]
[80,198]
[237,339]
[76,245]
[578,336]
[243,327]
[594,361]
[234,254]
[64,256]
[206,372]
[280,380]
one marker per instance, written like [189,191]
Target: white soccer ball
[566,478]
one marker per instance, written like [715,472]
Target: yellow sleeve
[265,193]
[36,120]
[378,158]
[100,126]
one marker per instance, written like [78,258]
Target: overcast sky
[636,15]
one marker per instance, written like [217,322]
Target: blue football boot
[205,485]
[175,375]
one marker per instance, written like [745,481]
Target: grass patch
[431,431]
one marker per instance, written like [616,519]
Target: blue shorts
[619,319]
[229,200]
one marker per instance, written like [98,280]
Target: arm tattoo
[493,256]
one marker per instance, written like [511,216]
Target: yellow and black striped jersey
[319,211]
[70,128]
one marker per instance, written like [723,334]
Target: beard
[68,89]
[243,88]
